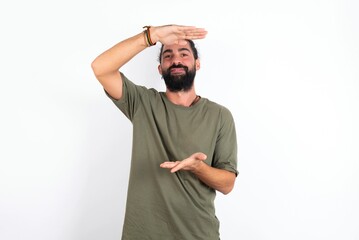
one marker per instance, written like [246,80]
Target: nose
[176,60]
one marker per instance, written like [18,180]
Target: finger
[190,31]
[194,35]
[169,164]
[182,42]
[166,165]
[185,28]
[199,156]
[179,166]
[196,31]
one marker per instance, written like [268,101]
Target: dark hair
[192,45]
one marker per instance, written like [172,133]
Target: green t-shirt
[173,206]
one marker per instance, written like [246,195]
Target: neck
[182,98]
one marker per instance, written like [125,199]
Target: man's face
[178,67]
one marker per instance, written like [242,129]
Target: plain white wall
[288,70]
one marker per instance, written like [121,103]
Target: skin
[176,50]
[179,54]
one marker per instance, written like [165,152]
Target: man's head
[178,65]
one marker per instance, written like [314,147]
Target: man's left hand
[191,163]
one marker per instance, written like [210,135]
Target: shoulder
[214,106]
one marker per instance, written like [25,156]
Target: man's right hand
[107,65]
[176,34]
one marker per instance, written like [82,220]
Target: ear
[198,64]
[159,69]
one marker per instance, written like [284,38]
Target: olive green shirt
[173,206]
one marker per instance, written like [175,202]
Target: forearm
[114,58]
[218,179]
[107,65]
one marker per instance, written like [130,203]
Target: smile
[177,70]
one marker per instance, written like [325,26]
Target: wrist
[198,167]
[154,37]
[148,35]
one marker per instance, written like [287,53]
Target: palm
[189,164]
[175,34]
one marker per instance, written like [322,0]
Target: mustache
[178,66]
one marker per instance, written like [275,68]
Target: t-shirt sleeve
[225,153]
[131,97]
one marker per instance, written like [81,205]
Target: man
[192,137]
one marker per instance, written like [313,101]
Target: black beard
[179,82]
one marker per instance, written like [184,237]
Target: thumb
[199,156]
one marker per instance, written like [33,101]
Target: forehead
[177,48]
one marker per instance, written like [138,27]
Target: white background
[288,71]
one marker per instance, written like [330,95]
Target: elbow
[226,190]
[228,187]
[101,71]
[95,68]
[98,68]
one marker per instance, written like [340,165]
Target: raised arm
[107,65]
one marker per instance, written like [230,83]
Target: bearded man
[184,145]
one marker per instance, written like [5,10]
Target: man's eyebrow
[184,49]
[167,51]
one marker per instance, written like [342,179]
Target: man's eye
[166,56]
[184,55]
